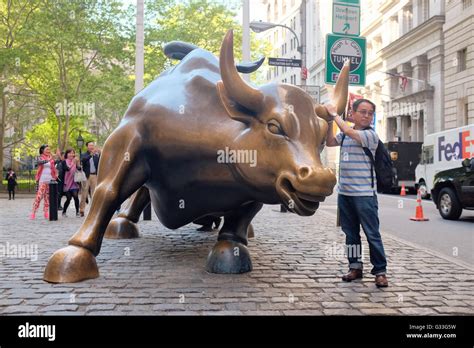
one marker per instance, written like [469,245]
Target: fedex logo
[458,150]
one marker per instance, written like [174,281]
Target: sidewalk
[297,266]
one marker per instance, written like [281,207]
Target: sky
[257,10]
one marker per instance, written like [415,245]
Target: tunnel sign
[338,49]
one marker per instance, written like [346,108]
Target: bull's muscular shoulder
[198,61]
[196,75]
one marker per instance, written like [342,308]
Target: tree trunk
[2,124]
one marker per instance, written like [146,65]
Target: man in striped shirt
[357,199]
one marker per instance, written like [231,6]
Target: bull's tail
[179,49]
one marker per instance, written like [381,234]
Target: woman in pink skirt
[46,173]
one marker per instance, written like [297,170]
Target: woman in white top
[46,173]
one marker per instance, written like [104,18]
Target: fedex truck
[441,151]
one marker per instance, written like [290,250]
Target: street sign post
[293,63]
[345,19]
[338,49]
[312,90]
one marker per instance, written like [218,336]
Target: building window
[462,57]
[466,4]
[269,13]
[276,10]
[408,14]
[283,11]
[466,114]
[425,10]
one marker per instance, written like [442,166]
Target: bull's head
[280,123]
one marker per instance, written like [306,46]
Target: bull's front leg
[119,177]
[124,225]
[230,253]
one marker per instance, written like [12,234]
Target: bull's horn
[237,89]
[342,88]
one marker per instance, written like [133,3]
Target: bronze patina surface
[168,150]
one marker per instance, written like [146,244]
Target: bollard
[53,200]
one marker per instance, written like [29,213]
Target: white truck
[441,151]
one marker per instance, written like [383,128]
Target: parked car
[453,190]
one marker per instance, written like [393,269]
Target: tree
[14,18]
[200,22]
[67,70]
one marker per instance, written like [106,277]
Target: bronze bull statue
[178,146]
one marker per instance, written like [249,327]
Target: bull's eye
[275,128]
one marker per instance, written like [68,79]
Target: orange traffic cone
[403,192]
[419,210]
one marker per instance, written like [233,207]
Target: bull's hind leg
[122,171]
[230,253]
[124,225]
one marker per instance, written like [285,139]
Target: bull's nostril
[304,172]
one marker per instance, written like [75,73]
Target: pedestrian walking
[60,171]
[70,188]
[46,173]
[11,183]
[357,197]
[90,165]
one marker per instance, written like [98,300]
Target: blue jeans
[356,211]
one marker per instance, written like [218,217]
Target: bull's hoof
[228,257]
[121,228]
[70,265]
[250,232]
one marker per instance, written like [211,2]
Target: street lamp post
[260,26]
[80,144]
[246,35]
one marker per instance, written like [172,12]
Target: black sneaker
[78,214]
[64,214]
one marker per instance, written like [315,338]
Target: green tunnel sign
[338,49]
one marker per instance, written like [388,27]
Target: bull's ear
[234,110]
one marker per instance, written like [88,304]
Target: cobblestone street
[297,266]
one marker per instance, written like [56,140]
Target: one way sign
[346,19]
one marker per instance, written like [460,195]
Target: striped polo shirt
[355,176]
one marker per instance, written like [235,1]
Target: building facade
[458,31]
[420,62]
[283,12]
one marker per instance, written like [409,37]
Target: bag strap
[372,162]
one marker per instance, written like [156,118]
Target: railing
[24,178]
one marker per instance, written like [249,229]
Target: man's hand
[331,110]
